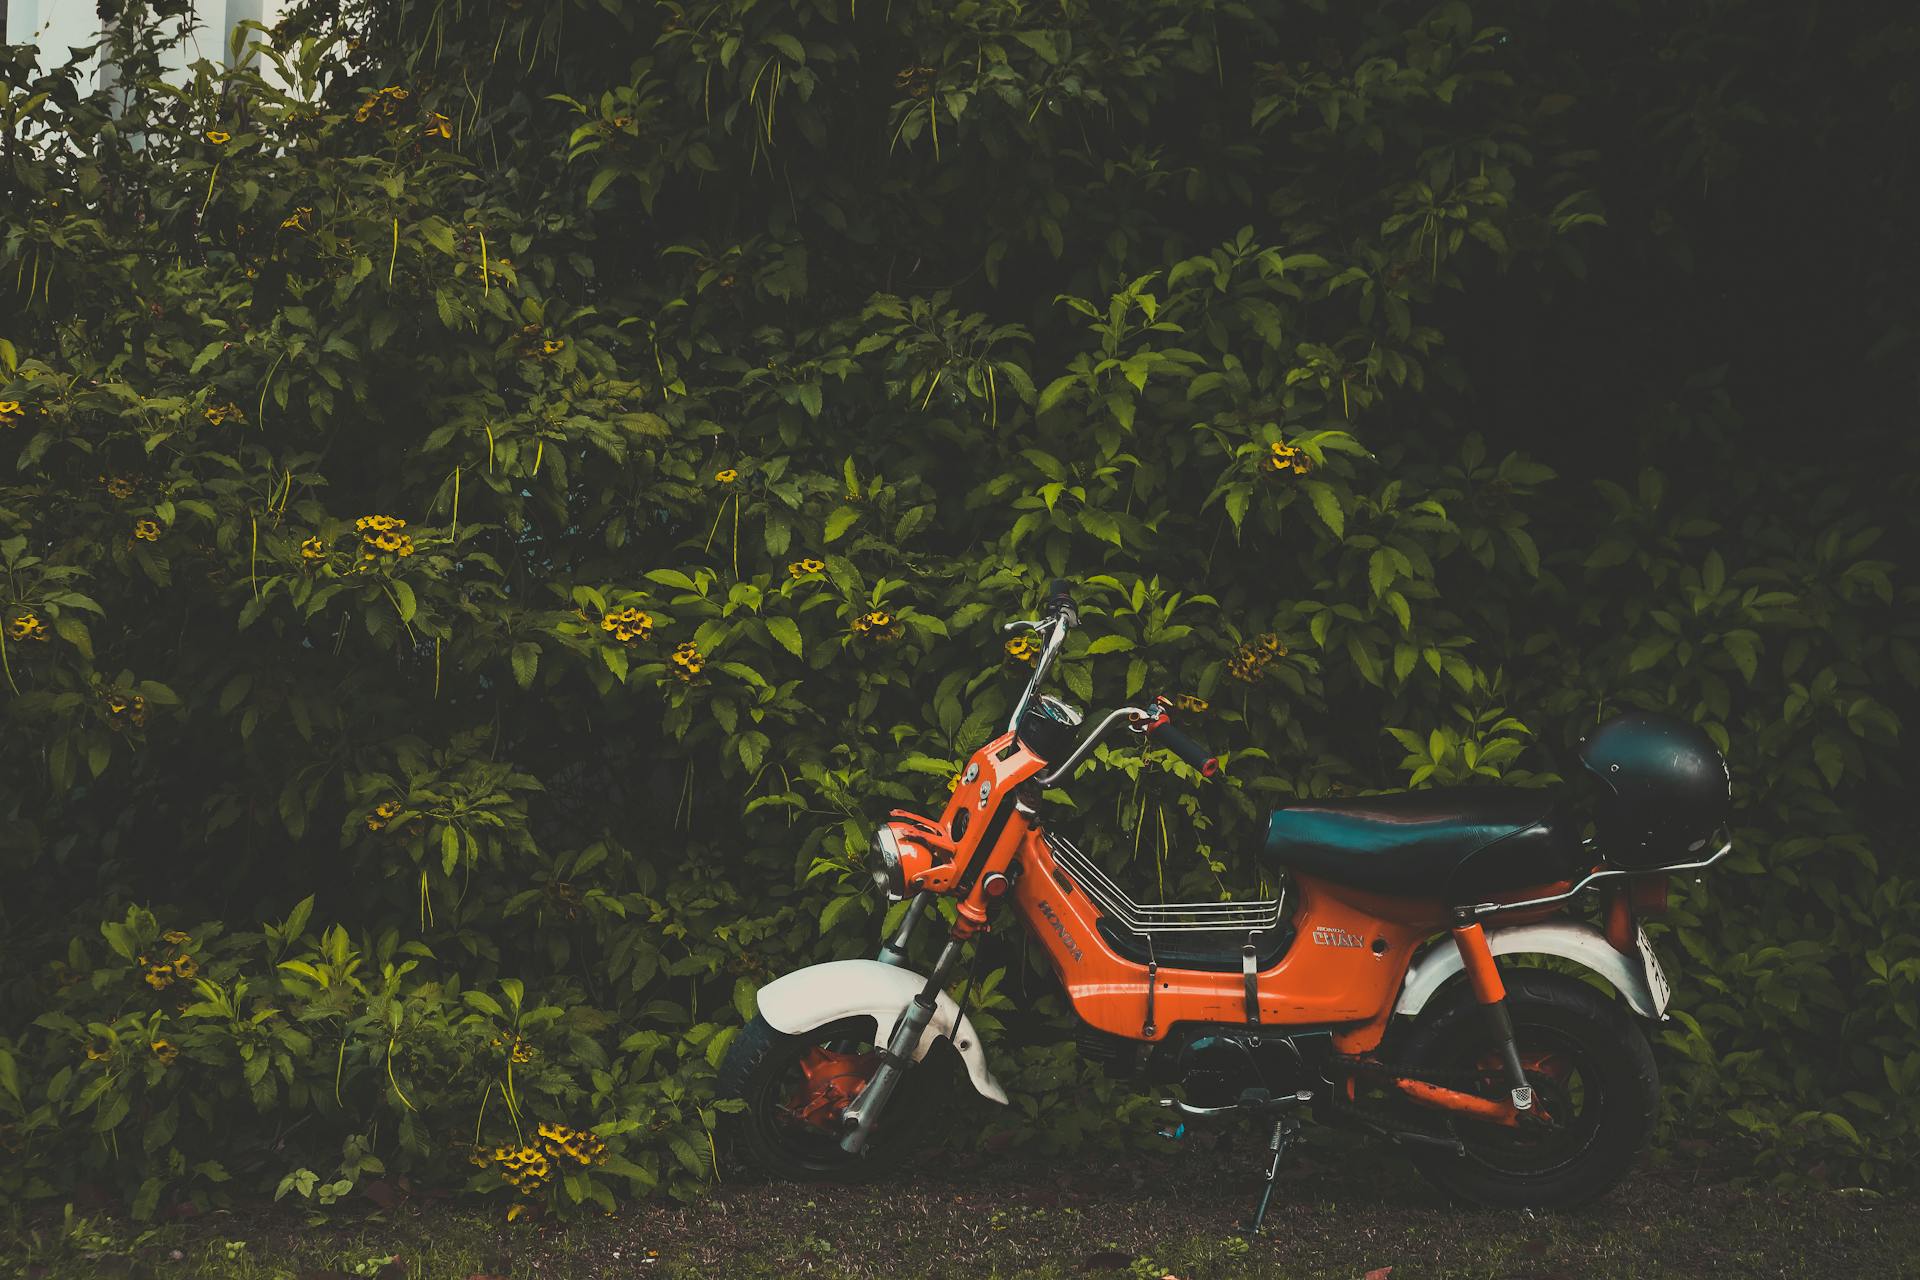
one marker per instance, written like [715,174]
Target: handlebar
[1188,748]
[1203,761]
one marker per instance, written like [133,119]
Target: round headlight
[883,864]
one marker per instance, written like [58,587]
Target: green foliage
[533,484]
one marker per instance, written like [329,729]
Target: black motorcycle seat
[1456,844]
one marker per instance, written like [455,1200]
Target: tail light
[1648,895]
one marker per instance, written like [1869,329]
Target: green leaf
[839,522]
[1326,505]
[526,661]
[787,632]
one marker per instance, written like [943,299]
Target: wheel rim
[1569,1094]
[800,1104]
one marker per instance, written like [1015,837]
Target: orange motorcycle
[1387,988]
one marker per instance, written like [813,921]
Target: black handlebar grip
[1187,749]
[1059,591]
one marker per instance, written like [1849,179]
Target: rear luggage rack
[1594,877]
[1148,920]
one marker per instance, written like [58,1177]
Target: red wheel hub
[831,1081]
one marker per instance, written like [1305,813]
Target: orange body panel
[1444,1099]
[1346,963]
[1477,956]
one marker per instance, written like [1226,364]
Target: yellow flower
[1270,645]
[298,220]
[726,475]
[438,126]
[628,624]
[804,568]
[185,968]
[164,1050]
[9,410]
[147,530]
[553,346]
[27,627]
[687,660]
[228,412]
[314,548]
[1285,457]
[120,488]
[219,137]
[174,937]
[97,1052]
[1190,702]
[378,524]
[159,976]
[1023,648]
[953,783]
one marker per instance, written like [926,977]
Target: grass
[1341,1211]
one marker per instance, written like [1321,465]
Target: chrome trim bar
[1056,627]
[1168,917]
[1594,877]
[1086,744]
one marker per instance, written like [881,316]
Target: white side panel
[823,993]
[1581,943]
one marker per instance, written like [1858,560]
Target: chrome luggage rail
[1594,877]
[1148,919]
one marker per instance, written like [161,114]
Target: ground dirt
[1346,1210]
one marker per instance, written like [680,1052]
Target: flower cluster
[27,627]
[519,1052]
[687,661]
[582,1146]
[1282,458]
[383,813]
[526,1169]
[878,625]
[382,103]
[804,568]
[382,533]
[179,966]
[1190,702]
[124,708]
[1249,661]
[147,530]
[228,412]
[1023,648]
[915,82]
[119,488]
[10,411]
[628,624]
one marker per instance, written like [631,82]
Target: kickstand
[1284,1129]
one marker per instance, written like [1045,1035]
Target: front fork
[907,1032]
[1491,992]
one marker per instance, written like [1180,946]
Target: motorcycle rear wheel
[1593,1075]
[788,1130]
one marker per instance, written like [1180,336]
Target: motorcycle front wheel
[1593,1077]
[796,1088]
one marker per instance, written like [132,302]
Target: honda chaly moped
[1383,989]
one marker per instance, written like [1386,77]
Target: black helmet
[1667,789]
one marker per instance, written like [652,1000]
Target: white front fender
[823,993]
[1581,943]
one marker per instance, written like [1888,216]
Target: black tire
[762,1068]
[1592,1071]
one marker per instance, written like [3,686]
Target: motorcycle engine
[1218,1068]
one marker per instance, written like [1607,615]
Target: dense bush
[508,494]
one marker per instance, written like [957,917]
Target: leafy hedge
[506,495]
